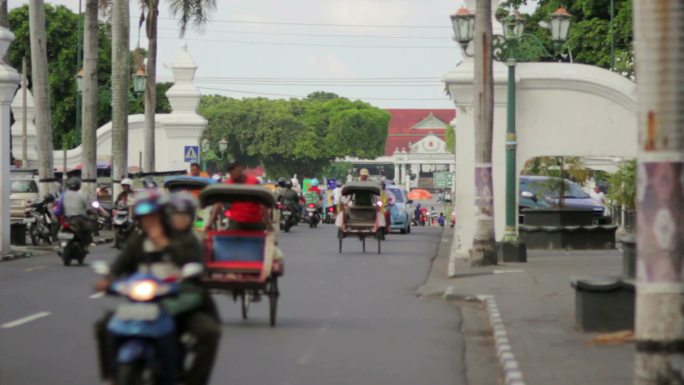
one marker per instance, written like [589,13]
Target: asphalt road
[347,318]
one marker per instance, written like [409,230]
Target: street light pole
[511,234]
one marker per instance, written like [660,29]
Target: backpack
[59,206]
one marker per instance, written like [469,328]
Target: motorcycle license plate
[137,312]
[29,220]
[65,236]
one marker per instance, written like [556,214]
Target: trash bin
[18,233]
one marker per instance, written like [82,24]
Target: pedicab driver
[248,216]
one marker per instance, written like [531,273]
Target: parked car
[540,192]
[23,192]
[400,209]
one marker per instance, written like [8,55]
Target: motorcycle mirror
[100,267]
[191,270]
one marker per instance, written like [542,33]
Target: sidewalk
[536,303]
[106,236]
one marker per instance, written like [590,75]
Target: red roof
[400,132]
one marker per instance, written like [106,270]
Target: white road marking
[508,271]
[25,320]
[35,268]
[97,295]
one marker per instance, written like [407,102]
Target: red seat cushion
[237,265]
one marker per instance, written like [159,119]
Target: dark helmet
[288,184]
[147,202]
[73,183]
[338,184]
[180,202]
[281,182]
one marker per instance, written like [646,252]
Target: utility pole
[483,251]
[612,35]
[150,87]
[659,42]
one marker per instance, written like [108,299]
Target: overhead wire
[302,97]
[300,24]
[360,36]
[272,43]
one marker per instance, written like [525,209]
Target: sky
[390,53]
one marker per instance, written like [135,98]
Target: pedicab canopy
[224,193]
[356,187]
[187,183]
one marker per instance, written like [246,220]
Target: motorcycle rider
[76,209]
[126,195]
[167,238]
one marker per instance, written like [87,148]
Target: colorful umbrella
[419,195]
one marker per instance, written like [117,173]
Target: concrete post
[397,179]
[9,79]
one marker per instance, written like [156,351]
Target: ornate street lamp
[139,80]
[514,26]
[205,145]
[223,145]
[560,25]
[463,23]
[511,48]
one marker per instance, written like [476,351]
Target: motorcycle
[142,329]
[287,217]
[312,215]
[41,224]
[330,215]
[122,225]
[71,246]
[103,216]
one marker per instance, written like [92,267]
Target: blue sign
[191,154]
[332,183]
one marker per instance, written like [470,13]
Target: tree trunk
[151,89]
[41,94]
[89,100]
[484,244]
[120,83]
[659,42]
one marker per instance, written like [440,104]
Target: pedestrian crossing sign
[191,154]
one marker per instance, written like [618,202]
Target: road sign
[443,179]
[191,154]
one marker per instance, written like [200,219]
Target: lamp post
[515,46]
[208,152]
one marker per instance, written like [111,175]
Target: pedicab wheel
[244,301]
[273,295]
[130,374]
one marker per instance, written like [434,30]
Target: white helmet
[126,181]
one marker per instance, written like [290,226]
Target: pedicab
[244,264]
[361,214]
[193,185]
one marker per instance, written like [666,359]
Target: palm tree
[191,12]
[39,69]
[120,84]
[484,244]
[89,99]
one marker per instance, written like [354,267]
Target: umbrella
[419,195]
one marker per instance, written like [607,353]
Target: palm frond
[191,12]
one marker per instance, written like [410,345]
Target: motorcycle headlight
[143,290]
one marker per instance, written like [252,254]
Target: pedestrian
[441,219]
[196,170]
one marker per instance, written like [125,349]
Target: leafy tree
[450,137]
[294,136]
[589,37]
[62,35]
[623,185]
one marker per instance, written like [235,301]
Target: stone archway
[563,109]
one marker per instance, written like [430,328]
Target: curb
[509,365]
[15,256]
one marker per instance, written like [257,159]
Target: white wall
[562,109]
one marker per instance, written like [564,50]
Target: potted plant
[623,194]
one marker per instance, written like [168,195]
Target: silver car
[23,191]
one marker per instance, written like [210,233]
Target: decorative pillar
[9,79]
[396,173]
[18,128]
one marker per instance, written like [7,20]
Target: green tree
[450,137]
[62,35]
[294,136]
[589,37]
